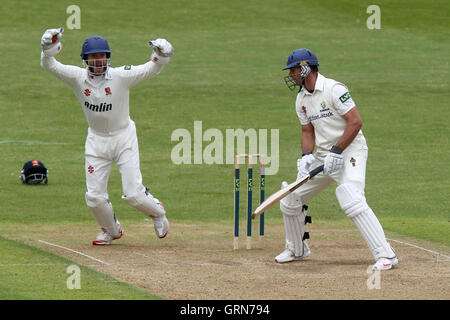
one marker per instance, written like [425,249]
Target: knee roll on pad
[93,201]
[146,203]
[291,210]
[291,205]
[351,201]
[103,213]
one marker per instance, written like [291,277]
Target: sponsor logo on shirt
[321,116]
[127,67]
[87,92]
[103,107]
[344,97]
[323,106]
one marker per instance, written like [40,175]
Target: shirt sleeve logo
[127,67]
[344,97]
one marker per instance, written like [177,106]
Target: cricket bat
[277,196]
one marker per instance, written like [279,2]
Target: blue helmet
[95,44]
[299,56]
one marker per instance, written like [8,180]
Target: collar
[108,75]
[320,82]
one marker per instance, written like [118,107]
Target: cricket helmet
[95,44]
[34,172]
[301,56]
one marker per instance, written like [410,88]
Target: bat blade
[277,196]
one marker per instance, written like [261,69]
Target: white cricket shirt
[324,109]
[105,103]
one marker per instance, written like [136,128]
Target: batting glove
[334,161]
[50,41]
[162,51]
[303,165]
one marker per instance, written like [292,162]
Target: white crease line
[413,245]
[77,252]
[33,142]
[38,265]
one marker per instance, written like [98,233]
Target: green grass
[226,72]
[29,273]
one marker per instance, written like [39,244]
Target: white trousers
[350,192]
[353,172]
[100,153]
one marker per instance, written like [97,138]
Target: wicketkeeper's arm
[162,52]
[51,46]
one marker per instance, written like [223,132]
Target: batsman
[103,93]
[332,137]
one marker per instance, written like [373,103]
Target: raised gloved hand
[334,161]
[304,164]
[162,51]
[50,41]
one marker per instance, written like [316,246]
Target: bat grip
[315,171]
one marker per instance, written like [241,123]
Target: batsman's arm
[354,124]
[308,138]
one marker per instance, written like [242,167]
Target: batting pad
[103,213]
[146,203]
[354,204]
[294,222]
[294,227]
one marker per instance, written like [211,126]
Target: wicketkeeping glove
[50,41]
[303,165]
[334,161]
[162,51]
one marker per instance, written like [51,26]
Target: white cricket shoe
[161,226]
[385,264]
[288,256]
[161,223]
[104,238]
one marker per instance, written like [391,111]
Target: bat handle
[315,171]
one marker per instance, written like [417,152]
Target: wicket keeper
[103,93]
[332,136]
